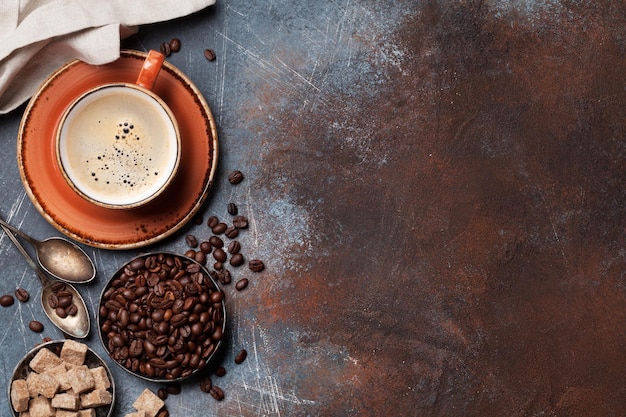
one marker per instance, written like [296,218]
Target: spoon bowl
[59,257]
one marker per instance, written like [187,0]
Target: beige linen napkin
[38,36]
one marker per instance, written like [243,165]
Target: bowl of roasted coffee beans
[62,377]
[162,317]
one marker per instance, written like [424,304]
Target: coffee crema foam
[118,145]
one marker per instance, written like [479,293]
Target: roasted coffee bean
[234,247]
[219,228]
[224,276]
[241,356]
[71,310]
[216,242]
[206,384]
[212,221]
[191,241]
[22,295]
[220,371]
[190,253]
[173,389]
[163,413]
[162,394]
[231,232]
[60,311]
[206,247]
[241,284]
[58,286]
[200,257]
[217,393]
[175,45]
[209,54]
[232,209]
[219,255]
[197,219]
[235,177]
[6,300]
[236,260]
[165,49]
[256,265]
[240,222]
[35,326]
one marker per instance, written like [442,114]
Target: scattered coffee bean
[217,393]
[241,356]
[206,384]
[163,413]
[232,209]
[206,247]
[232,232]
[234,247]
[219,255]
[212,221]
[162,393]
[240,222]
[6,300]
[175,45]
[235,177]
[219,228]
[191,241]
[216,242]
[220,371]
[209,54]
[241,284]
[256,265]
[236,260]
[35,326]
[165,49]
[173,389]
[22,295]
[159,320]
[190,253]
[218,266]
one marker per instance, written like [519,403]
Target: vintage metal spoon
[74,325]
[59,257]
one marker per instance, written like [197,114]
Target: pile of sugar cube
[61,385]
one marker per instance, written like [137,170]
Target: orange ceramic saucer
[111,228]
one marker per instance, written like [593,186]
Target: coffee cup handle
[150,69]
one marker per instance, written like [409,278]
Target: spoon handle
[40,274]
[6,226]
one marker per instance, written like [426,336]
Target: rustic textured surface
[437,189]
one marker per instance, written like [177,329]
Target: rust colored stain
[470,213]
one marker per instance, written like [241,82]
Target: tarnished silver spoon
[59,257]
[76,325]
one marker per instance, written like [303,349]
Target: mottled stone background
[437,189]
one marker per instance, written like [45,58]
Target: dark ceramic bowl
[162,317]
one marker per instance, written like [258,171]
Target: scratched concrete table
[437,189]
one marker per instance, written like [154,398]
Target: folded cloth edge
[25,68]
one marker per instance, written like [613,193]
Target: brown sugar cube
[95,398]
[66,401]
[81,379]
[149,402]
[66,413]
[19,395]
[139,413]
[41,384]
[90,412]
[43,360]
[40,407]
[74,352]
[101,377]
[60,374]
